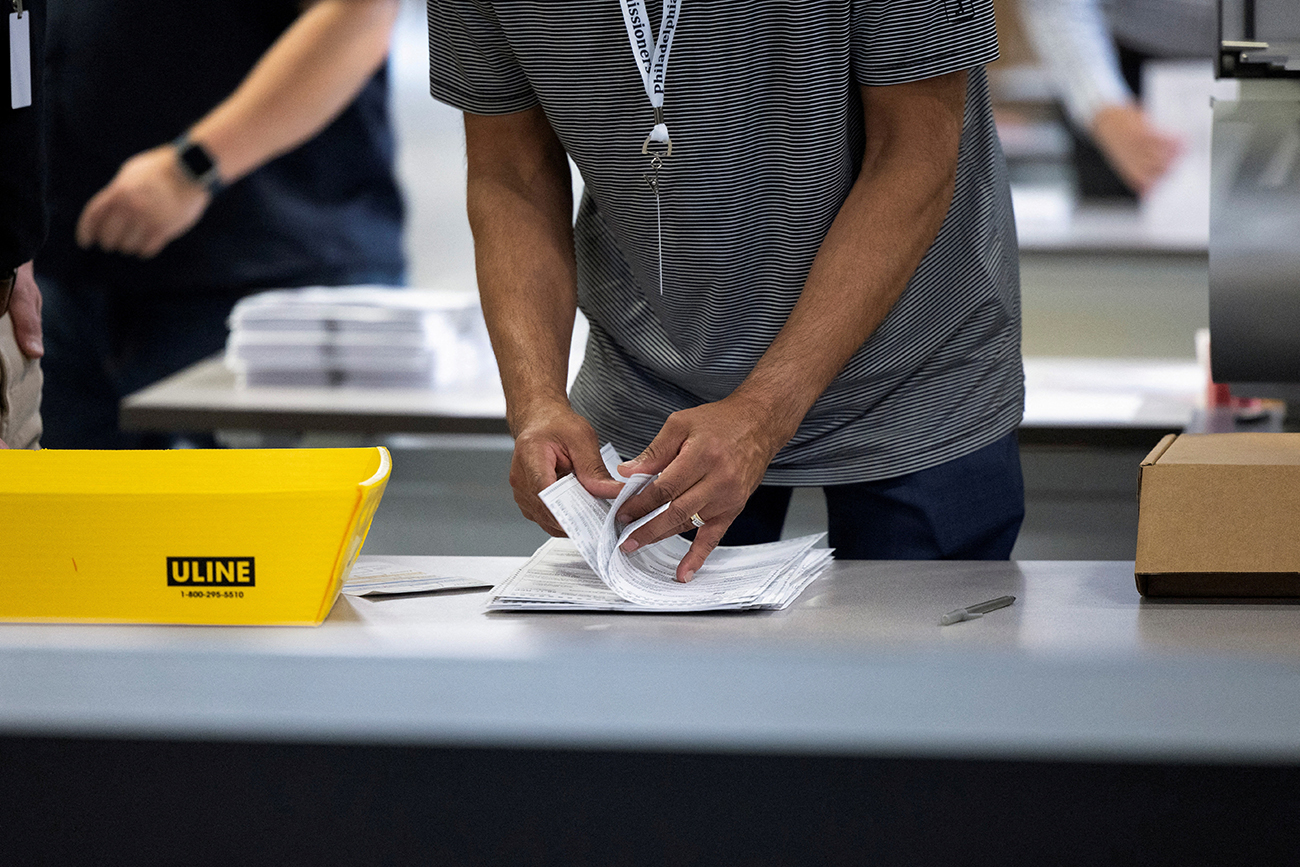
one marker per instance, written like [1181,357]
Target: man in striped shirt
[816,285]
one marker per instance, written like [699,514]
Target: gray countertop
[1080,667]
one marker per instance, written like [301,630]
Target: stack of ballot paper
[359,336]
[588,571]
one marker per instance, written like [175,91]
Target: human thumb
[595,478]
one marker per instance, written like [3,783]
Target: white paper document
[589,571]
[385,578]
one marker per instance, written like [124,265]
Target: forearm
[1073,42]
[873,247]
[300,84]
[520,203]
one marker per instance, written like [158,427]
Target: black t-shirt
[22,175]
[125,77]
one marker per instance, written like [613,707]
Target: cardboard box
[222,536]
[1219,516]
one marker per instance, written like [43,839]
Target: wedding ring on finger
[697,520]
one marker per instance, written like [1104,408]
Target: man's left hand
[147,205]
[709,459]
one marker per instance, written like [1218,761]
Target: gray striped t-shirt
[762,103]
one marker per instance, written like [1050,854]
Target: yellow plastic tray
[222,536]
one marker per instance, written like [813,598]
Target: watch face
[197,162]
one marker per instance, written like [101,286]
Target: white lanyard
[652,60]
[652,63]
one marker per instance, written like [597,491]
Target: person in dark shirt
[22,228]
[200,152]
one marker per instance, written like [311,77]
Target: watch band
[197,164]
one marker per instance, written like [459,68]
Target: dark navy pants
[102,343]
[969,508]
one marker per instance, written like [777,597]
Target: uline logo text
[221,571]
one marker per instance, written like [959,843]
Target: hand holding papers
[588,571]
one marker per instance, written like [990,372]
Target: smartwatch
[197,164]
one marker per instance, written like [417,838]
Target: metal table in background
[1087,399]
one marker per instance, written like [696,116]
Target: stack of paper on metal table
[362,336]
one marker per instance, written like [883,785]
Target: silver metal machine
[1255,202]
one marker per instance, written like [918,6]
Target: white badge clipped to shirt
[20,57]
[651,57]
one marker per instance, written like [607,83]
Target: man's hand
[147,205]
[1138,152]
[25,313]
[710,459]
[553,443]
[303,81]
[520,203]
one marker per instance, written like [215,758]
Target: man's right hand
[552,443]
[519,199]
